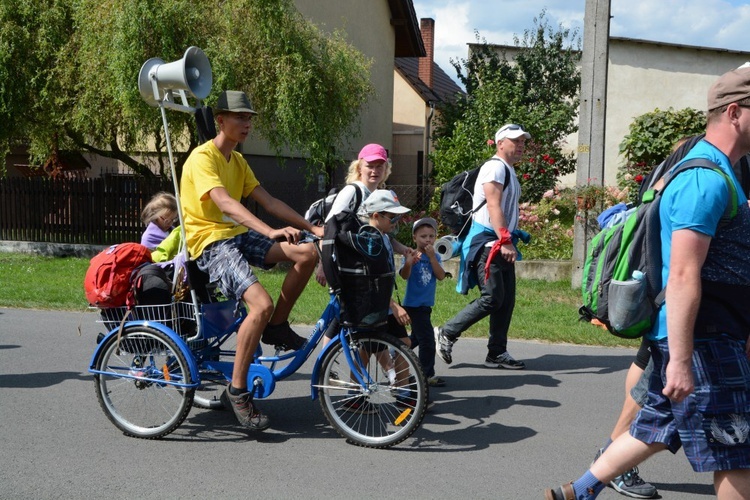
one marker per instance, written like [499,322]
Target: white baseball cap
[384,200]
[511,131]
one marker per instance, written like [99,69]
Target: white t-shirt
[494,171]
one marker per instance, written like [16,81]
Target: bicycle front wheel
[389,406]
[141,382]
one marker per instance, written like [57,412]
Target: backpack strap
[730,211]
[357,197]
[505,183]
[742,172]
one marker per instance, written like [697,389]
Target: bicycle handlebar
[308,237]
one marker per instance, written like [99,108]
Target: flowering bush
[550,222]
[650,140]
[540,168]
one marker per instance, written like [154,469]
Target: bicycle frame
[263,372]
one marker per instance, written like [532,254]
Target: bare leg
[248,335]
[732,484]
[623,454]
[304,257]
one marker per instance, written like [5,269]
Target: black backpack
[318,211]
[151,285]
[357,262]
[457,197]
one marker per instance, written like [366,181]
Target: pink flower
[548,194]
[490,142]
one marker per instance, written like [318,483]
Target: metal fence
[106,210]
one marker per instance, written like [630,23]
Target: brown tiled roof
[444,89]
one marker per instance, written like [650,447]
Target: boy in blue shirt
[422,270]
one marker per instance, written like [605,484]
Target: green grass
[545,311]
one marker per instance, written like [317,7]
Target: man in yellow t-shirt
[225,239]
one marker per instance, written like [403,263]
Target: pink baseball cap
[373,152]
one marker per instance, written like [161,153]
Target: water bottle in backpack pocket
[629,305]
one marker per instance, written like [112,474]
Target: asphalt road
[491,434]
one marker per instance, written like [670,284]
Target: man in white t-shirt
[488,256]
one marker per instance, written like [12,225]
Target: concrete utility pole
[592,115]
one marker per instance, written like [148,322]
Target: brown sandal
[564,492]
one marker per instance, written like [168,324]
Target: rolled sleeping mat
[448,247]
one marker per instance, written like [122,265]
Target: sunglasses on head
[511,127]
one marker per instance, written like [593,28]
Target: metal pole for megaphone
[175,183]
[157,82]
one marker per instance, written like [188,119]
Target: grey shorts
[639,392]
[228,262]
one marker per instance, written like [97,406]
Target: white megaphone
[158,80]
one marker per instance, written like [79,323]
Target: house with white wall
[643,75]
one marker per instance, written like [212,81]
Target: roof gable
[404,22]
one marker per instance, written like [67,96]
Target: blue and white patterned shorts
[713,423]
[228,262]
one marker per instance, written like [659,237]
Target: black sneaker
[631,485]
[247,414]
[283,337]
[444,345]
[359,404]
[504,360]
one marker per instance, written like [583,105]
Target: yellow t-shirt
[207,168]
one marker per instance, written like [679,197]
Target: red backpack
[107,281]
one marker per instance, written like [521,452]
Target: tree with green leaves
[538,88]
[650,139]
[69,68]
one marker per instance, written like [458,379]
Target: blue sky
[711,23]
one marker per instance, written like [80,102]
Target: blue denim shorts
[228,262]
[713,423]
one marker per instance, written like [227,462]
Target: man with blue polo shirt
[699,393]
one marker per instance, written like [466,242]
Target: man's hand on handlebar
[288,234]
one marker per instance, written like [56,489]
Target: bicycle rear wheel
[388,408]
[137,391]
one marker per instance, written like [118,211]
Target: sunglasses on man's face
[392,218]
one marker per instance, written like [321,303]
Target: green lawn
[545,311]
